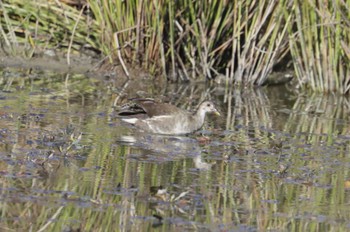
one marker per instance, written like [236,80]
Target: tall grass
[191,40]
[319,44]
[39,25]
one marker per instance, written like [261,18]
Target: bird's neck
[200,116]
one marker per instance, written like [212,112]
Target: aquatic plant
[40,25]
[319,44]
[188,40]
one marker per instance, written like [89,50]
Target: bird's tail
[130,120]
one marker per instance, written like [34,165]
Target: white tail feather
[130,120]
[128,139]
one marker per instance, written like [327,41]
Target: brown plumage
[163,118]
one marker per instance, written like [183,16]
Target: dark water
[274,161]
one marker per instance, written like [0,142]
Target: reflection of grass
[249,110]
[314,150]
[316,114]
[108,188]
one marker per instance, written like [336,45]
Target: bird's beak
[217,112]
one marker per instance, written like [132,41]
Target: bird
[163,118]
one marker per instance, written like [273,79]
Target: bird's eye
[208,104]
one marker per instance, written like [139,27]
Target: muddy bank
[96,65]
[88,63]
[50,60]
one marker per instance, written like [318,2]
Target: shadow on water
[273,161]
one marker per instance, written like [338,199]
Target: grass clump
[191,40]
[39,25]
[319,44]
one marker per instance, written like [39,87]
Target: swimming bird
[164,118]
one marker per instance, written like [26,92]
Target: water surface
[274,161]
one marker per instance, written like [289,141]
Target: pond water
[273,161]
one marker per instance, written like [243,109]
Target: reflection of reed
[316,116]
[108,186]
[247,112]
